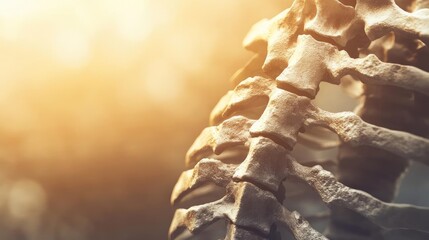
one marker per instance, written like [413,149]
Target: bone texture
[248,149]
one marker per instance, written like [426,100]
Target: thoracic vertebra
[256,126]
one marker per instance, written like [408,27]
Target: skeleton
[256,126]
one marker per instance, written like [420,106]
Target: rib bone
[271,105]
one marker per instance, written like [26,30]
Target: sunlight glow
[71,48]
[14,9]
[97,98]
[161,83]
[27,200]
[133,21]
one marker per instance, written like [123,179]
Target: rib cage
[247,150]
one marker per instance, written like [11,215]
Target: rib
[232,132]
[206,171]
[386,215]
[352,129]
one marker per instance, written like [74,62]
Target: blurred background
[100,100]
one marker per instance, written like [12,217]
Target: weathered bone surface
[283,118]
[352,129]
[260,121]
[387,215]
[331,65]
[231,132]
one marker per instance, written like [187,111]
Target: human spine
[262,118]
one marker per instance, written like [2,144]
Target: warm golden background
[99,101]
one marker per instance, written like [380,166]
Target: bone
[300,228]
[309,52]
[420,4]
[214,140]
[311,42]
[352,129]
[252,69]
[317,142]
[283,118]
[238,206]
[206,171]
[276,37]
[248,93]
[364,167]
[330,65]
[235,232]
[332,20]
[371,70]
[216,115]
[341,27]
[386,215]
[353,87]
[196,218]
[268,173]
[384,16]
[251,92]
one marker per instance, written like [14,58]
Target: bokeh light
[99,102]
